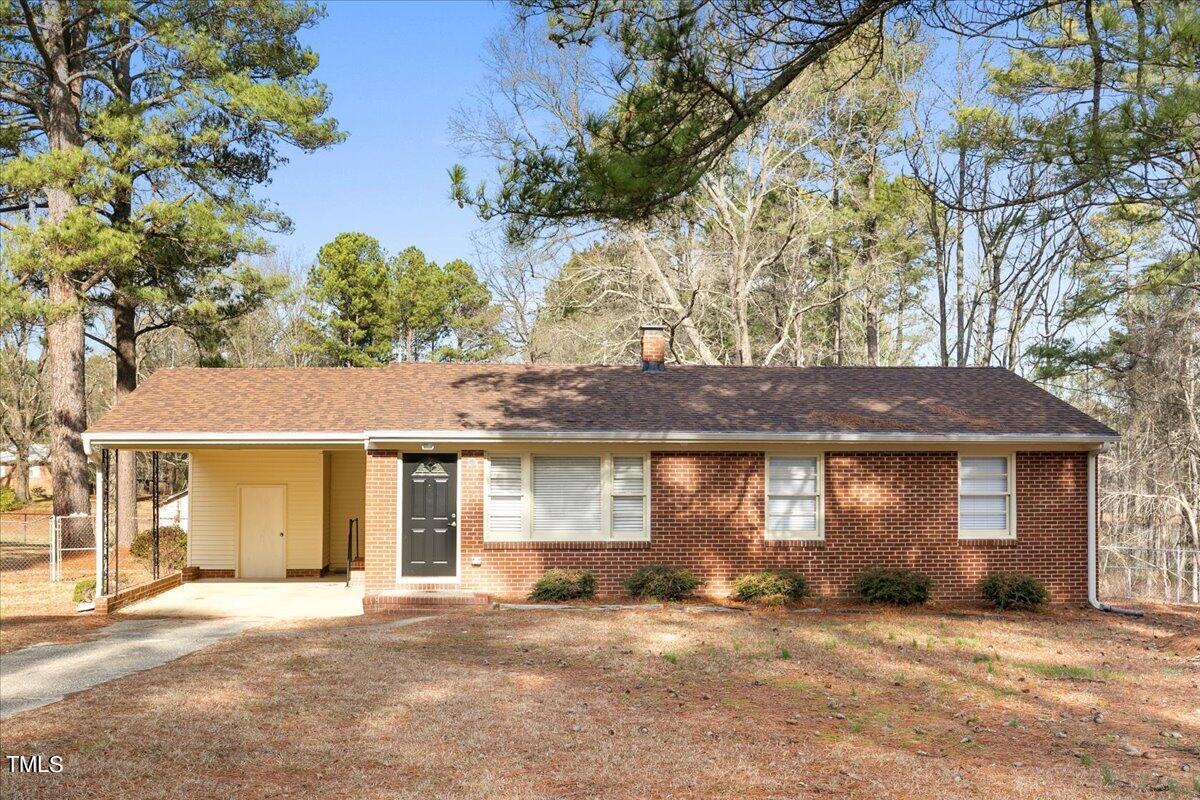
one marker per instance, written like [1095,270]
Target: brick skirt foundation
[897,509]
[198,573]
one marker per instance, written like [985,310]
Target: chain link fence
[1170,575]
[25,542]
[43,548]
[73,547]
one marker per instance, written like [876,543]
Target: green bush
[172,546]
[771,587]
[563,584]
[1013,590]
[8,499]
[661,582]
[900,587]
[85,589]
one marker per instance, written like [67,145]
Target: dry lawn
[511,704]
[34,609]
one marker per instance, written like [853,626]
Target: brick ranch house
[479,477]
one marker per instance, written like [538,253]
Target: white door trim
[237,562]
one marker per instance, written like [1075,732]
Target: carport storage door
[261,532]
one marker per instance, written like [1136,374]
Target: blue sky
[397,72]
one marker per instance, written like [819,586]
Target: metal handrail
[351,540]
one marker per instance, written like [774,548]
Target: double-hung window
[794,501]
[536,497]
[985,497]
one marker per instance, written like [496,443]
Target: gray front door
[429,541]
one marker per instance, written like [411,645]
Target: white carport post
[101,550]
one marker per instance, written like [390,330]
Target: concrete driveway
[161,629]
[43,674]
[318,598]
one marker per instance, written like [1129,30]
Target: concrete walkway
[161,629]
[43,674]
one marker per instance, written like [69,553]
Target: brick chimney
[654,348]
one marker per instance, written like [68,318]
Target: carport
[222,598]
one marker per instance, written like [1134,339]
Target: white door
[263,545]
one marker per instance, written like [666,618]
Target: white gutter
[372,438]
[1093,550]
[133,439]
[377,437]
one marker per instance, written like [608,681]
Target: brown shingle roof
[915,401]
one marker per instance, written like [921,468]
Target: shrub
[8,499]
[901,587]
[661,582]
[1013,590]
[771,587]
[172,546]
[563,584]
[85,589]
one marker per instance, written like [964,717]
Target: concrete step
[395,599]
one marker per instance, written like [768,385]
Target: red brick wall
[379,527]
[895,509]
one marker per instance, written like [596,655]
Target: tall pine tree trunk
[64,326]
[125,341]
[68,417]
[124,311]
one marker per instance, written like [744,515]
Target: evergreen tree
[144,125]
[352,297]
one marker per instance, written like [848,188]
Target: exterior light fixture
[426,445]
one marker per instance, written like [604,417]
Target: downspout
[1093,553]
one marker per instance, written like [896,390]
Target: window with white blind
[535,497]
[985,497]
[505,493]
[628,495]
[794,502]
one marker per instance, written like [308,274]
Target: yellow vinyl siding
[347,498]
[213,521]
[326,472]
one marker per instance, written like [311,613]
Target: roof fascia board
[134,439]
[385,437]
[376,438]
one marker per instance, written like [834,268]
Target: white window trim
[794,536]
[606,532]
[1011,514]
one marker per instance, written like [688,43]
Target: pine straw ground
[34,609]
[519,704]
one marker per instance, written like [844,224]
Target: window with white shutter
[985,497]
[566,498]
[794,501]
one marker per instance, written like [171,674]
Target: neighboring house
[173,510]
[39,467]
[481,476]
